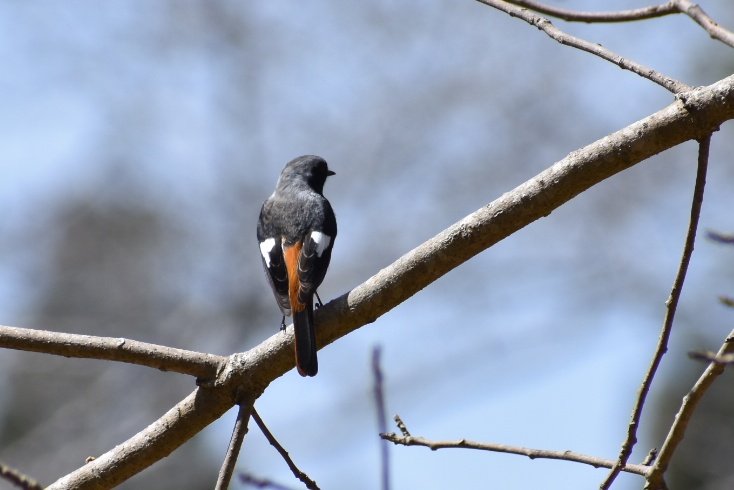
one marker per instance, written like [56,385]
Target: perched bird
[296,232]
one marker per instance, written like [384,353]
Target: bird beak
[330,172]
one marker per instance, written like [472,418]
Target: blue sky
[426,113]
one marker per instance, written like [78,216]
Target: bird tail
[306,361]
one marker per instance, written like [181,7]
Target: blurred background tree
[138,140]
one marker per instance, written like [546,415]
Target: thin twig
[614,16]
[381,417]
[714,357]
[683,417]
[18,479]
[651,456]
[546,26]
[671,307]
[401,425]
[261,482]
[112,349]
[235,443]
[687,7]
[310,484]
[721,237]
[504,448]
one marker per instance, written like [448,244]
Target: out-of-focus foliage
[138,139]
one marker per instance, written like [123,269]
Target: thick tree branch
[688,118]
[246,375]
[158,440]
[671,308]
[112,349]
[555,33]
[683,417]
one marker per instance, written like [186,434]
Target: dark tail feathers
[306,360]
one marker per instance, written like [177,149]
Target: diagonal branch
[555,33]
[182,422]
[680,424]
[246,375]
[235,443]
[310,484]
[112,349]
[672,306]
[696,13]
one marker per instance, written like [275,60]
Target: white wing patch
[266,246]
[322,241]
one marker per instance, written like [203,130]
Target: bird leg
[319,304]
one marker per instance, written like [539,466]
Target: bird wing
[271,253]
[313,262]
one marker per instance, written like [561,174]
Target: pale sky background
[540,341]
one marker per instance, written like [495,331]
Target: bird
[296,232]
